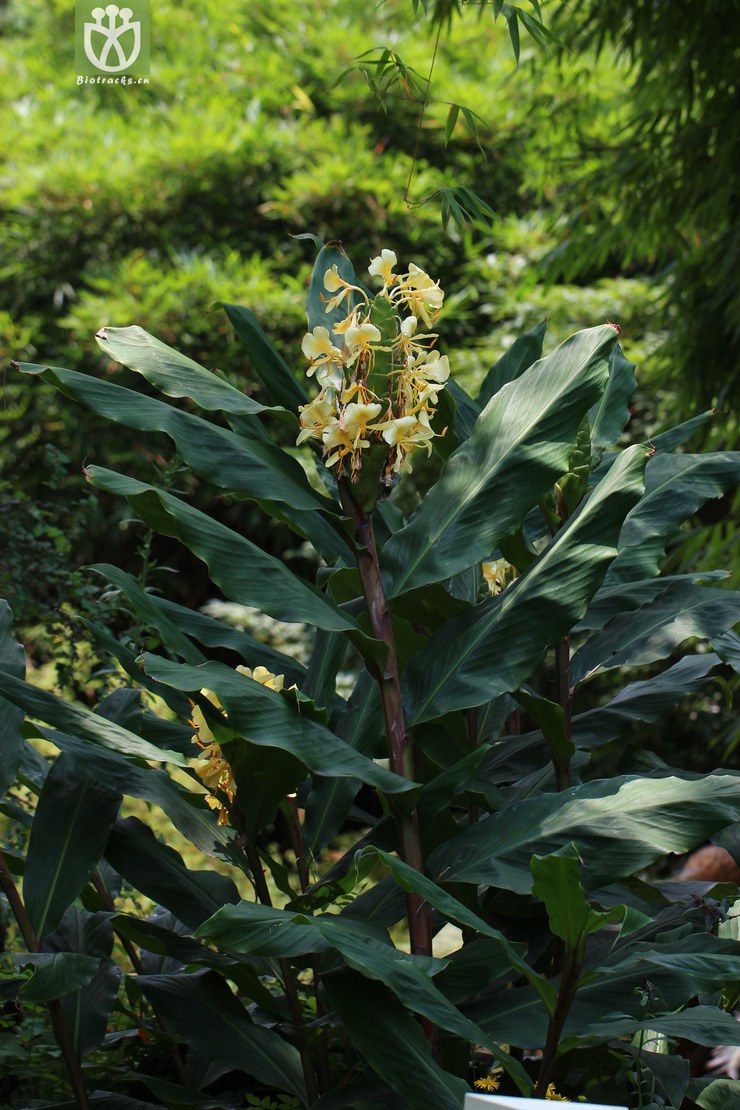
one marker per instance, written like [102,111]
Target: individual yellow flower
[498,574]
[382,266]
[318,347]
[487,1083]
[315,417]
[422,296]
[335,283]
[404,433]
[361,341]
[553,1096]
[216,775]
[264,677]
[347,433]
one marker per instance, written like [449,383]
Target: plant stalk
[418,911]
[58,1023]
[566,993]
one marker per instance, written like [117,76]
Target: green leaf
[55,974]
[656,629]
[271,368]
[493,647]
[244,466]
[524,351]
[333,254]
[374,1019]
[158,872]
[611,414]
[243,571]
[203,1011]
[521,443]
[88,1009]
[268,718]
[557,883]
[329,651]
[551,719]
[73,817]
[170,372]
[721,1094]
[12,662]
[452,115]
[55,711]
[514,33]
[620,826]
[186,809]
[675,487]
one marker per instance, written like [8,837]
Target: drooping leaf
[620,826]
[73,817]
[45,706]
[675,487]
[173,373]
[268,718]
[158,871]
[88,1009]
[557,883]
[204,1012]
[243,571]
[493,648]
[519,446]
[12,662]
[271,368]
[55,974]
[524,351]
[186,809]
[656,629]
[379,1021]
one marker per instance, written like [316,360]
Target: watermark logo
[111,43]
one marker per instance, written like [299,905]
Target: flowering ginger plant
[379,375]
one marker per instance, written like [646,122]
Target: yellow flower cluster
[349,415]
[216,774]
[498,574]
[487,1083]
[552,1095]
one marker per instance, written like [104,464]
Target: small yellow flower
[347,433]
[553,1096]
[315,417]
[360,340]
[382,266]
[498,574]
[487,1083]
[318,347]
[264,677]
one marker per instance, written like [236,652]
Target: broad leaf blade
[270,367]
[493,647]
[523,353]
[521,443]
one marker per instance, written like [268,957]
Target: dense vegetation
[605,160]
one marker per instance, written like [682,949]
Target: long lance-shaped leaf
[656,629]
[524,351]
[13,663]
[215,634]
[268,718]
[492,648]
[46,707]
[88,1010]
[409,977]
[204,1012]
[244,572]
[620,826]
[374,1020]
[158,871]
[611,414]
[520,445]
[186,809]
[176,375]
[626,596]
[245,466]
[73,817]
[270,367]
[675,487]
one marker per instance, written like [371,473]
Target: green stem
[418,912]
[566,993]
[59,1025]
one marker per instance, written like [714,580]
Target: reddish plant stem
[566,993]
[137,965]
[59,1025]
[400,753]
